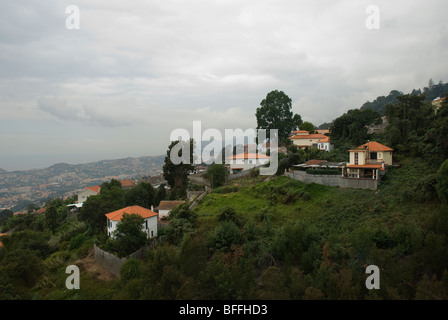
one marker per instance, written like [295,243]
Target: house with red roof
[149,225]
[368,161]
[126,184]
[324,144]
[246,161]
[304,139]
[87,192]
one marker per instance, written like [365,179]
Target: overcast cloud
[136,70]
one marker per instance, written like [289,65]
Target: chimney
[152,208]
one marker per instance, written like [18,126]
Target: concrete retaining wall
[108,261]
[333,180]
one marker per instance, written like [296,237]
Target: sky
[134,71]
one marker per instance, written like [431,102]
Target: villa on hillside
[150,219]
[87,192]
[368,161]
[246,161]
[303,139]
[367,164]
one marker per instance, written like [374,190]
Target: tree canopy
[275,113]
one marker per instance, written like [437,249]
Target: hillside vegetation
[262,237]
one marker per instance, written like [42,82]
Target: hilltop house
[87,192]
[303,139]
[246,161]
[149,225]
[368,161]
[166,206]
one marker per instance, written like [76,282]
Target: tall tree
[129,234]
[275,113]
[308,126]
[177,174]
[351,127]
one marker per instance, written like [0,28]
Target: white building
[246,161]
[149,225]
[324,144]
[87,192]
[166,206]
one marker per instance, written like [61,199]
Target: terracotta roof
[168,205]
[96,189]
[249,156]
[314,162]
[142,212]
[309,136]
[127,183]
[373,146]
[41,210]
[300,131]
[367,166]
[327,139]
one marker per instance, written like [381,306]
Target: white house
[368,161]
[324,144]
[246,161]
[303,139]
[149,225]
[166,206]
[87,192]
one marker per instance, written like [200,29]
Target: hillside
[64,179]
[431,92]
[275,238]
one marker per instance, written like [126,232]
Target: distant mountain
[2,171]
[62,179]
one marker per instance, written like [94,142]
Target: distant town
[18,189]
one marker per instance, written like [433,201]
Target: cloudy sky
[136,70]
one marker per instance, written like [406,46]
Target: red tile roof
[373,146]
[169,205]
[248,156]
[127,183]
[142,212]
[96,189]
[314,162]
[309,136]
[327,139]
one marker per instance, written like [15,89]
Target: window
[373,155]
[356,157]
[146,224]
[152,233]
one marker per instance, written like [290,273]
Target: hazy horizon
[134,72]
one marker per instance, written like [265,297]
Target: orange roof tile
[327,139]
[96,189]
[168,205]
[373,146]
[127,183]
[142,212]
[314,162]
[309,136]
[249,156]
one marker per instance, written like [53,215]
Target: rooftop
[142,212]
[373,146]
[169,205]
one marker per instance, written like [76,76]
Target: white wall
[150,230]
